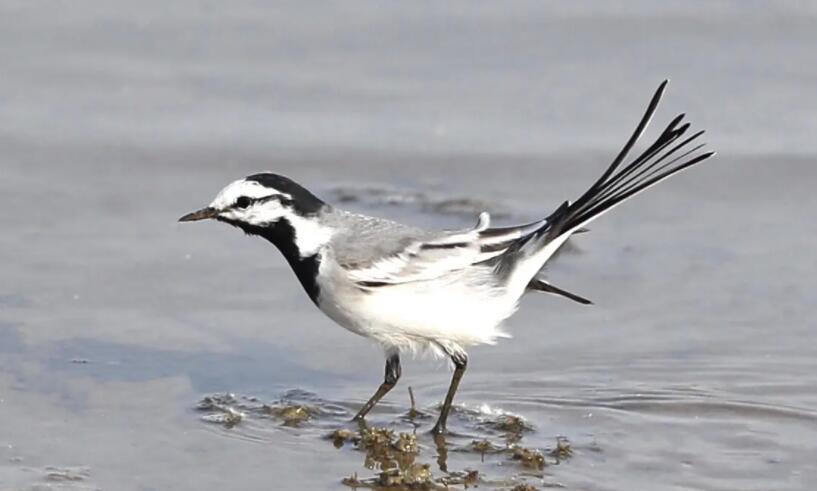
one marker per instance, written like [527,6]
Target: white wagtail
[410,289]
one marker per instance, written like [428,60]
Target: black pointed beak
[202,214]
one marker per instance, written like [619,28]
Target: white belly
[451,312]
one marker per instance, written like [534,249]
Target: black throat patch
[282,234]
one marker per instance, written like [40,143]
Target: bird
[413,290]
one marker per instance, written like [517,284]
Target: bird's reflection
[442,452]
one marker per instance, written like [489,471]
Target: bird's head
[279,210]
[259,201]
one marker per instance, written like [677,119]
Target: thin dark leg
[460,362]
[391,378]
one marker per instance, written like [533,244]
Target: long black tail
[665,157]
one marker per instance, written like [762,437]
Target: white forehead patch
[227,196]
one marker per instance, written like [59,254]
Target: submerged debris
[229,410]
[395,456]
[406,443]
[530,458]
[395,459]
[216,402]
[524,487]
[392,455]
[467,478]
[417,478]
[414,413]
[412,476]
[485,446]
[563,450]
[511,426]
[229,417]
[482,446]
[386,451]
[340,436]
[290,414]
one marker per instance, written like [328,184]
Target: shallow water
[695,369]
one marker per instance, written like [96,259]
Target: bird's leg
[460,362]
[391,378]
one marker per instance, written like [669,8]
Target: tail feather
[619,183]
[540,285]
[669,154]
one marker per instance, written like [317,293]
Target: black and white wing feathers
[420,258]
[417,257]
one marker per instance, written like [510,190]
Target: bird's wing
[405,255]
[426,257]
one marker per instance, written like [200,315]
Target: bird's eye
[242,202]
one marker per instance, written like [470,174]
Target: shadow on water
[13,300]
[10,341]
[485,447]
[252,368]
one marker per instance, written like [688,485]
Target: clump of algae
[216,402]
[484,446]
[394,457]
[528,457]
[510,423]
[390,452]
[228,418]
[509,426]
[229,410]
[341,436]
[562,450]
[221,410]
[290,414]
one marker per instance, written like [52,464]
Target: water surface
[695,369]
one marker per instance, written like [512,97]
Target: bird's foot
[359,422]
[439,429]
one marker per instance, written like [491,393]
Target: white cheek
[262,214]
[255,215]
